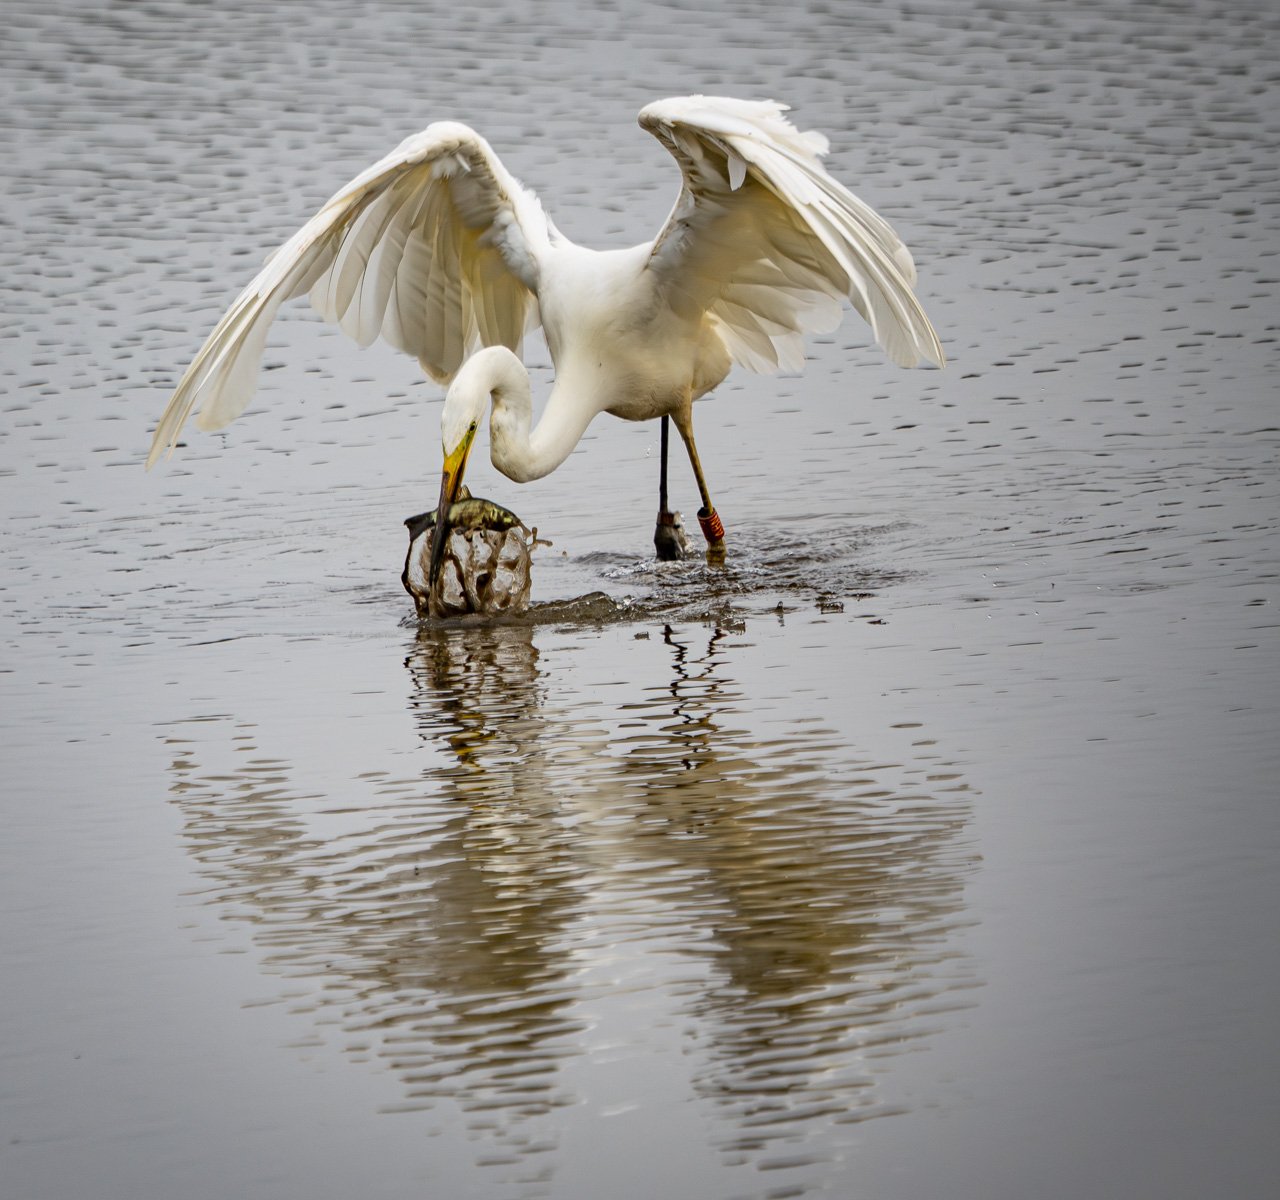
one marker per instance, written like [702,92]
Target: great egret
[439,250]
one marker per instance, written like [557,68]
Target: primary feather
[764,240]
[434,248]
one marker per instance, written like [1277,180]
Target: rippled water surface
[928,849]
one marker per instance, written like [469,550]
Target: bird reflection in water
[786,900]
[819,889]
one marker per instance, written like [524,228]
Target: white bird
[439,250]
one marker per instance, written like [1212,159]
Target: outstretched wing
[435,248]
[766,243]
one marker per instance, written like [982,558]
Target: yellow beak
[450,481]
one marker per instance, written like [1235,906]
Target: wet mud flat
[927,848]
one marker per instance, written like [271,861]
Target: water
[927,849]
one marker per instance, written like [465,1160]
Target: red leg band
[712,527]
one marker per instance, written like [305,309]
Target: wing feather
[765,242]
[435,248]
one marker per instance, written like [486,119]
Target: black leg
[668,536]
[662,468]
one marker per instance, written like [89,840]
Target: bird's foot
[713,531]
[669,538]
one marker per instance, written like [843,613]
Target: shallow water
[929,848]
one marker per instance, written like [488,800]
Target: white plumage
[439,251]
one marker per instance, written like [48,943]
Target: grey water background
[930,849]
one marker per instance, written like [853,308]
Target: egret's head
[463,408]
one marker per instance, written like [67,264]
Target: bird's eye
[472,429]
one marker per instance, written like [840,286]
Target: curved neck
[517,452]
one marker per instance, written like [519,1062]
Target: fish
[468,513]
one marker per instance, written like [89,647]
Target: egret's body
[439,251]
